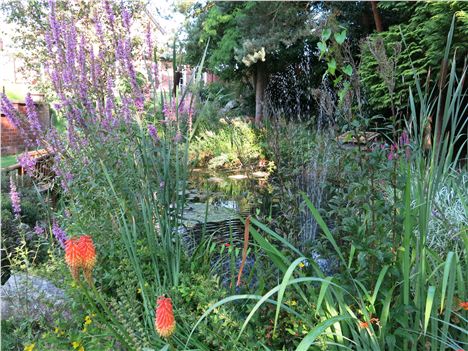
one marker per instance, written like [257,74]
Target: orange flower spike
[73,257]
[464,305]
[87,253]
[164,321]
[363,325]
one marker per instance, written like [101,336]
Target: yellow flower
[301,265]
[57,330]
[87,320]
[138,291]
[81,348]
[76,344]
[29,347]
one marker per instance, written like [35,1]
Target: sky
[169,19]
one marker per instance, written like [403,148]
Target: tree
[246,37]
[377,18]
[425,36]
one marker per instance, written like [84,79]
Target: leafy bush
[363,216]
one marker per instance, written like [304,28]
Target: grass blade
[317,331]
[429,303]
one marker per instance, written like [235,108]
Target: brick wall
[11,140]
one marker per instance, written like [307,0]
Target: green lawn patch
[7,161]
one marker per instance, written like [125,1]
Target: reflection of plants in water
[221,186]
[230,146]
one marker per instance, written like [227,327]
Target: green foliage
[240,29]
[425,36]
[290,146]
[216,21]
[231,145]
[18,234]
[339,69]
[392,291]
[216,331]
[363,213]
[413,300]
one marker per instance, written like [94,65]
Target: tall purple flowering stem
[153,132]
[9,111]
[15,199]
[59,234]
[28,163]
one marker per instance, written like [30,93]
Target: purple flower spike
[9,111]
[98,27]
[126,18]
[34,123]
[404,139]
[110,13]
[28,163]
[59,234]
[393,152]
[39,230]
[15,199]
[178,137]
[126,109]
[153,132]
[149,43]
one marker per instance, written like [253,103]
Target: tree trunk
[377,18]
[260,84]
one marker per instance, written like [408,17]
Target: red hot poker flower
[80,253]
[88,256]
[164,320]
[87,252]
[73,257]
